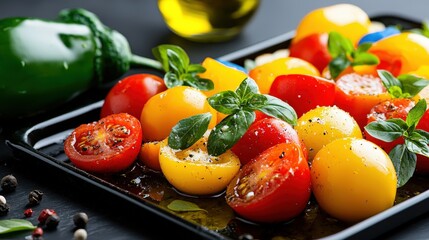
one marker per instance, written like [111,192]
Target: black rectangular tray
[43,142]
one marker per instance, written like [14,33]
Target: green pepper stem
[138,61]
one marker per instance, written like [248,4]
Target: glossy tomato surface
[323,125]
[194,171]
[131,93]
[273,187]
[164,110]
[303,92]
[314,49]
[106,146]
[357,94]
[264,134]
[353,179]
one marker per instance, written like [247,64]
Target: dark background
[141,23]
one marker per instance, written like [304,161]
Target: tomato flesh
[273,187]
[106,146]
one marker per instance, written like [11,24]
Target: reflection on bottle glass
[207,20]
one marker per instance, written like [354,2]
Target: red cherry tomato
[398,108]
[264,134]
[357,94]
[109,145]
[314,49]
[273,187]
[303,92]
[131,93]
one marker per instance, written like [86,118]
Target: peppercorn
[80,234]
[8,183]
[35,197]
[28,212]
[43,216]
[4,209]
[37,233]
[52,221]
[80,219]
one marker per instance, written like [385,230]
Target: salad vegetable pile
[341,118]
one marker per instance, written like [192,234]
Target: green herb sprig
[239,106]
[179,71]
[424,30]
[403,156]
[344,54]
[405,86]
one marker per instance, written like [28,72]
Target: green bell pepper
[44,63]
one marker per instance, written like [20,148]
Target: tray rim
[411,208]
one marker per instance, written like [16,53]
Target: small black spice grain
[52,221]
[245,236]
[35,197]
[80,219]
[8,183]
[4,209]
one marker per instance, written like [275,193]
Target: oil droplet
[66,65]
[23,63]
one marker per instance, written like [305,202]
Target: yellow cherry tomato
[402,53]
[223,77]
[194,171]
[346,19]
[265,74]
[323,125]
[164,110]
[353,179]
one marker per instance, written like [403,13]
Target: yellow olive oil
[207,20]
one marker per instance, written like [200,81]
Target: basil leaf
[184,206]
[196,68]
[14,225]
[423,134]
[188,131]
[279,109]
[203,84]
[229,131]
[365,58]
[404,162]
[226,102]
[337,65]
[176,63]
[388,130]
[388,79]
[247,89]
[256,102]
[418,144]
[416,113]
[160,53]
[339,45]
[396,92]
[171,80]
[412,84]
[364,47]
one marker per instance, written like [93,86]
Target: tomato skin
[314,49]
[303,92]
[357,94]
[131,93]
[149,155]
[164,110]
[264,134]
[323,125]
[344,173]
[107,146]
[193,171]
[265,74]
[273,187]
[422,161]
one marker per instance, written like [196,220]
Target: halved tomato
[357,94]
[273,187]
[107,146]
